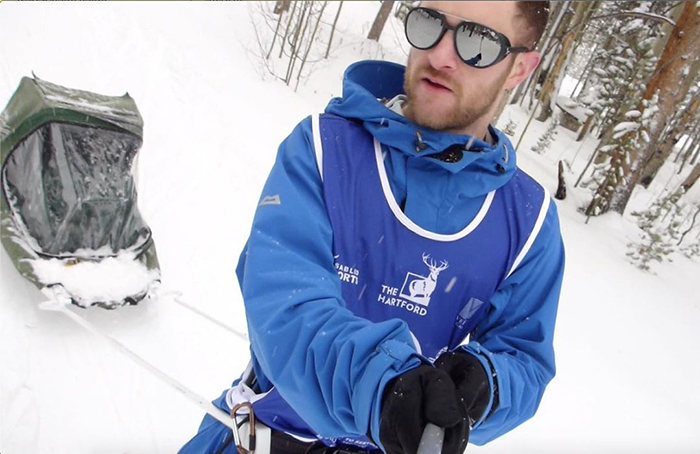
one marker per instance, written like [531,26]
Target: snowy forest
[635,68]
[609,123]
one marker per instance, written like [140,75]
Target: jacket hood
[366,82]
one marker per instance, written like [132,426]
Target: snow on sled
[69,216]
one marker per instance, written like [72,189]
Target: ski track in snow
[626,341]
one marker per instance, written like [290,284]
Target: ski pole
[431,440]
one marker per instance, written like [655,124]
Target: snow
[624,127]
[111,279]
[572,108]
[86,104]
[626,341]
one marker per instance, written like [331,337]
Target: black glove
[413,399]
[470,379]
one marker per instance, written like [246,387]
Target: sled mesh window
[70,188]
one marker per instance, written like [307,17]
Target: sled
[69,216]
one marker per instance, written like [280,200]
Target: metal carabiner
[251,435]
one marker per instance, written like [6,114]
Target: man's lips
[435,84]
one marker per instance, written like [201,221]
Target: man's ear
[525,64]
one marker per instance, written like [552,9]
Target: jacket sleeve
[328,364]
[514,341]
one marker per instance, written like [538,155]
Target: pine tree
[626,135]
[693,249]
[667,227]
[662,94]
[510,127]
[624,62]
[546,139]
[659,225]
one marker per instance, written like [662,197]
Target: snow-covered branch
[640,14]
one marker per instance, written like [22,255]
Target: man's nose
[444,56]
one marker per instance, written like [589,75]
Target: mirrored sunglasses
[477,45]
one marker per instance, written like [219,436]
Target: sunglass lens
[422,28]
[478,46]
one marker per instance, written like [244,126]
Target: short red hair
[536,15]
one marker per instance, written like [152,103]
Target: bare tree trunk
[696,155]
[559,11]
[583,11]
[584,129]
[691,145]
[667,29]
[531,81]
[687,151]
[282,6]
[561,188]
[376,31]
[663,152]
[286,31]
[298,39]
[688,144]
[311,42]
[527,125]
[274,37]
[588,164]
[335,22]
[691,179]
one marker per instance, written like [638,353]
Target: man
[401,270]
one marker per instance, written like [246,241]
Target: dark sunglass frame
[506,48]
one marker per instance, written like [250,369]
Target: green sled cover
[70,221]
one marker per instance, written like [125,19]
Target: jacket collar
[367,82]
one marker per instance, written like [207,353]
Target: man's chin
[436,119]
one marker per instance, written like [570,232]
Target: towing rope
[61,305]
[176,298]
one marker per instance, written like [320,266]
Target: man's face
[443,92]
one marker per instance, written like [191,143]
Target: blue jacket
[330,365]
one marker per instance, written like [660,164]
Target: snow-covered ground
[627,341]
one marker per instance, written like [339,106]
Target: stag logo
[417,288]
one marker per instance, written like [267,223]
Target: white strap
[318,147]
[535,231]
[242,393]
